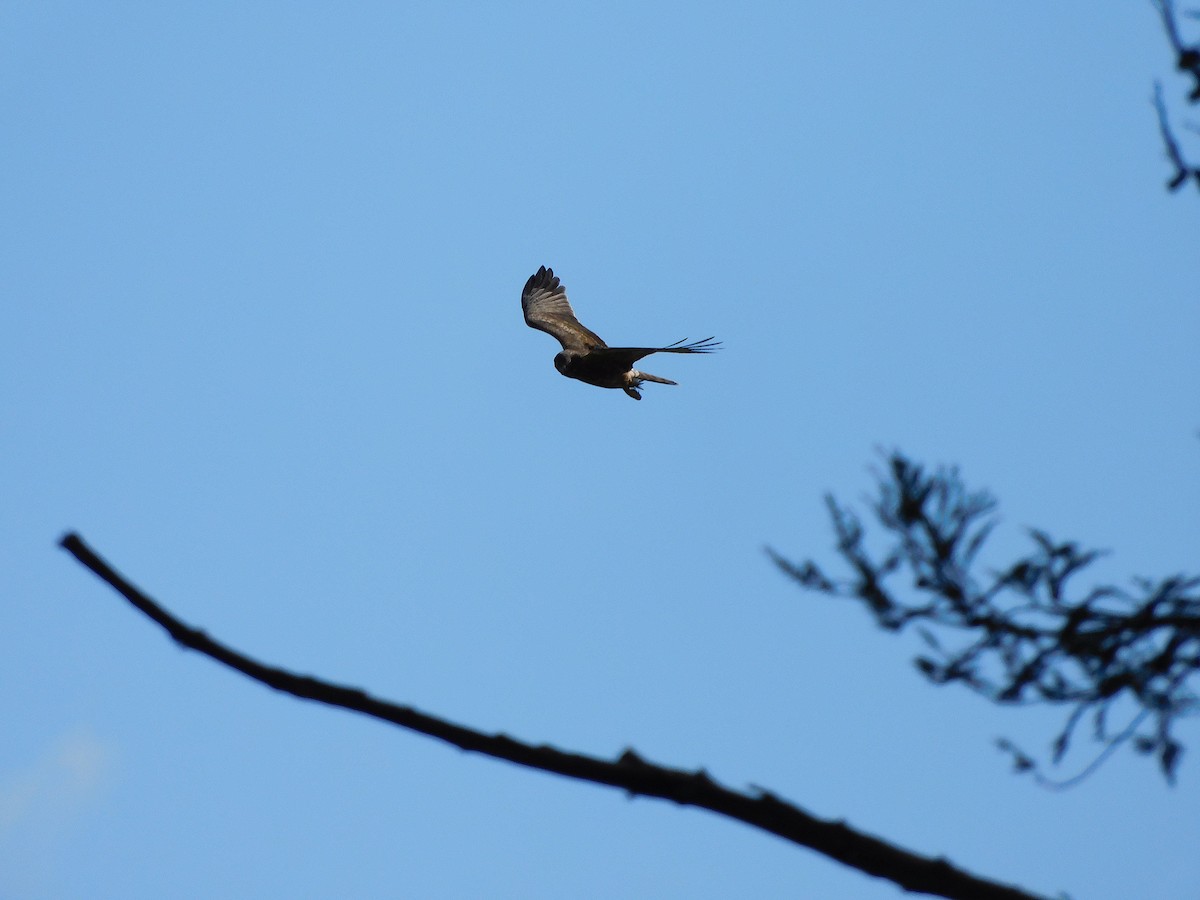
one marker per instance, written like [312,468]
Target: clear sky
[261,344]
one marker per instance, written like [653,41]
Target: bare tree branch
[629,772]
[1182,170]
[1187,59]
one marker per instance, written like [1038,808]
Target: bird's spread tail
[708,345]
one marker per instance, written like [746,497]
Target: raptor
[584,355]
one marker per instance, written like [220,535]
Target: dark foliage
[1187,60]
[1027,634]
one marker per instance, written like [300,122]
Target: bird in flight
[584,355]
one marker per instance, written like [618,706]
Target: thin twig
[1187,58]
[1086,772]
[1182,170]
[1166,9]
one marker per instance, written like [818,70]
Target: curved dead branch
[629,772]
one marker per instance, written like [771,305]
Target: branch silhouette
[1022,635]
[1187,60]
[1183,171]
[629,772]
[1187,57]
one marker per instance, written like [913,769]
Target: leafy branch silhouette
[1024,635]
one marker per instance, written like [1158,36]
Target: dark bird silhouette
[584,355]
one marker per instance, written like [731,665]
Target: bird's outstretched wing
[627,356]
[544,302]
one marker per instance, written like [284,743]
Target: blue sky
[261,345]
